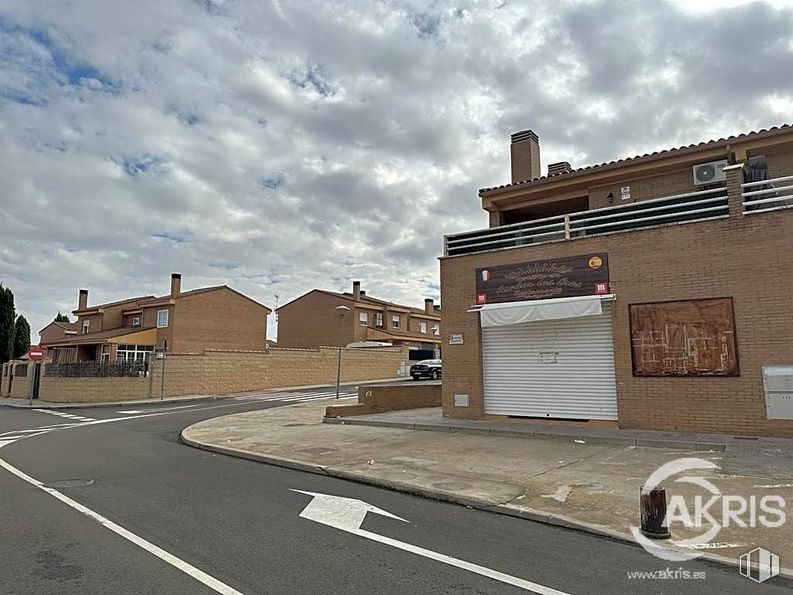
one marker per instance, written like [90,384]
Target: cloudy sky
[277,146]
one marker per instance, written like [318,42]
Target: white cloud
[282,146]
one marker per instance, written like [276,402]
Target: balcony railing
[692,206]
[767,195]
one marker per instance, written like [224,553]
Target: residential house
[312,320]
[649,292]
[129,330]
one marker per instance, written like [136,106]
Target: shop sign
[543,279]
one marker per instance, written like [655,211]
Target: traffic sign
[36,354]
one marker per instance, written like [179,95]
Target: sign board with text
[543,279]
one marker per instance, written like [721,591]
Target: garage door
[552,368]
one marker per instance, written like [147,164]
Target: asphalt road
[238,521]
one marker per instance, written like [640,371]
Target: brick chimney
[525,155]
[428,305]
[356,290]
[176,284]
[82,299]
[559,168]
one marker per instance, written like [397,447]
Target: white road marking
[715,546]
[6,442]
[347,514]
[62,414]
[136,411]
[177,563]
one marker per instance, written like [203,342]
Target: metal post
[341,311]
[653,513]
[162,372]
[31,375]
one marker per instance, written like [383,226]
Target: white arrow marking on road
[347,514]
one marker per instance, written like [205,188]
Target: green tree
[21,337]
[7,319]
[61,317]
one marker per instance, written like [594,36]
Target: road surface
[107,500]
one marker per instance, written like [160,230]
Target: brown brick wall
[220,319]
[311,321]
[19,387]
[743,257]
[676,182]
[225,372]
[389,397]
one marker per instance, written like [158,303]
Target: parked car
[428,368]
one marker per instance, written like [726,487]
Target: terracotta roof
[371,300]
[101,336]
[117,303]
[649,156]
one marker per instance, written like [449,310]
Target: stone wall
[227,372]
[389,397]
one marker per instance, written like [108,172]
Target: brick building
[312,320]
[652,291]
[128,330]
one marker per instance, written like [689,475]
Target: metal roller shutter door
[554,368]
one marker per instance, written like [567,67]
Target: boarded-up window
[689,338]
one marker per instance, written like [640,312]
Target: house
[651,292]
[312,320]
[130,329]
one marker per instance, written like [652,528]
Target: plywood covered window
[684,338]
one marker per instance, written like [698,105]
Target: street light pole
[342,312]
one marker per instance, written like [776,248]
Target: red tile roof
[648,156]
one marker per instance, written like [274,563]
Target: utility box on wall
[778,383]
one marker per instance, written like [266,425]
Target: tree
[21,337]
[61,317]
[7,319]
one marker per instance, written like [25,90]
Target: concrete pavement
[569,482]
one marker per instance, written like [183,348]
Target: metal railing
[767,195]
[96,370]
[692,206]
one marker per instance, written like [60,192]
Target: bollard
[653,511]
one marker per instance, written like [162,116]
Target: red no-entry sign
[36,354]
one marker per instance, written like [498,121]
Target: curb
[516,433]
[23,403]
[538,516]
[39,405]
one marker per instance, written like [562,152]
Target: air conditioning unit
[710,173]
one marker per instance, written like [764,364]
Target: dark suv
[428,368]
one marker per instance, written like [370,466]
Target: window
[104,354]
[436,330]
[363,318]
[86,327]
[136,321]
[134,353]
[395,321]
[423,327]
[162,318]
[378,319]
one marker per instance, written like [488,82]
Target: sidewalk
[564,480]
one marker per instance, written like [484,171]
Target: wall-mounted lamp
[611,198]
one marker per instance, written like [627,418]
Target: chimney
[554,169]
[363,293]
[525,154]
[436,308]
[356,290]
[428,305]
[82,300]
[176,284]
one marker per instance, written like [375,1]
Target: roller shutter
[553,368]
